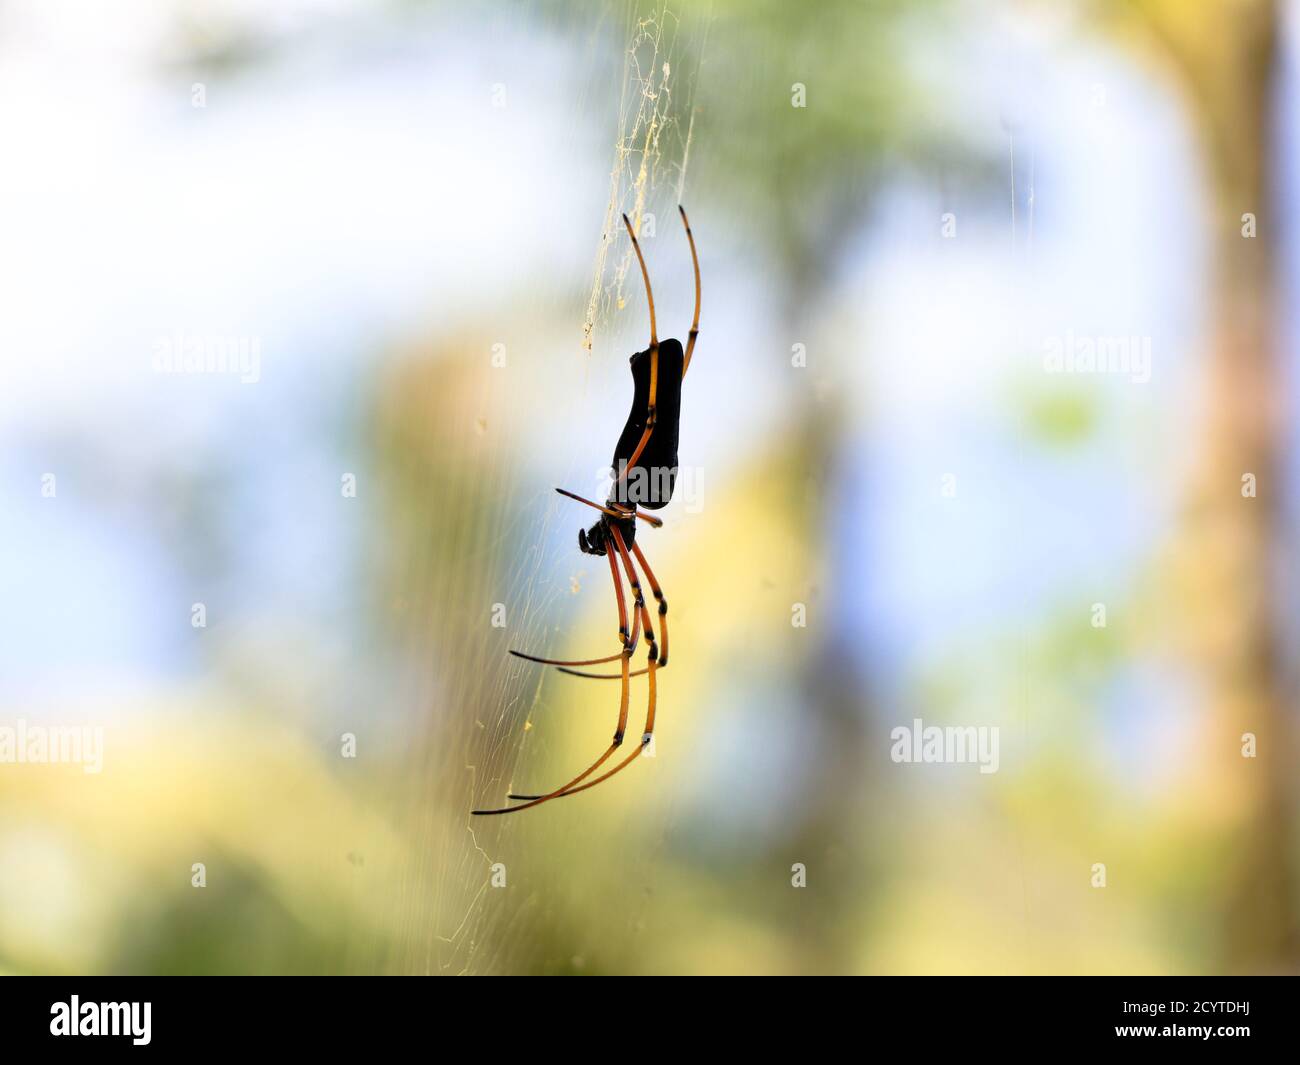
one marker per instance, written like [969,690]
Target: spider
[645,464]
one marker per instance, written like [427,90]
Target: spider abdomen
[649,484]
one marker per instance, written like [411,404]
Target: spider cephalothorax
[645,472]
[597,539]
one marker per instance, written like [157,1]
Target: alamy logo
[209,353]
[24,744]
[1120,355]
[639,485]
[952,745]
[102,1018]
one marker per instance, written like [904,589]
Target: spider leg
[663,625]
[658,593]
[636,626]
[562,663]
[650,299]
[599,676]
[651,665]
[622,633]
[648,518]
[695,325]
[626,655]
[654,360]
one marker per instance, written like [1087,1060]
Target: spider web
[649,125]
[518,725]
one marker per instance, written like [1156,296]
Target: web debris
[646,115]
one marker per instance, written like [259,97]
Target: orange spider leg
[622,709]
[649,518]
[663,624]
[695,325]
[651,665]
[654,360]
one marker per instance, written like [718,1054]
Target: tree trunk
[1228,551]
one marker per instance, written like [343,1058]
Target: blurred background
[283,578]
